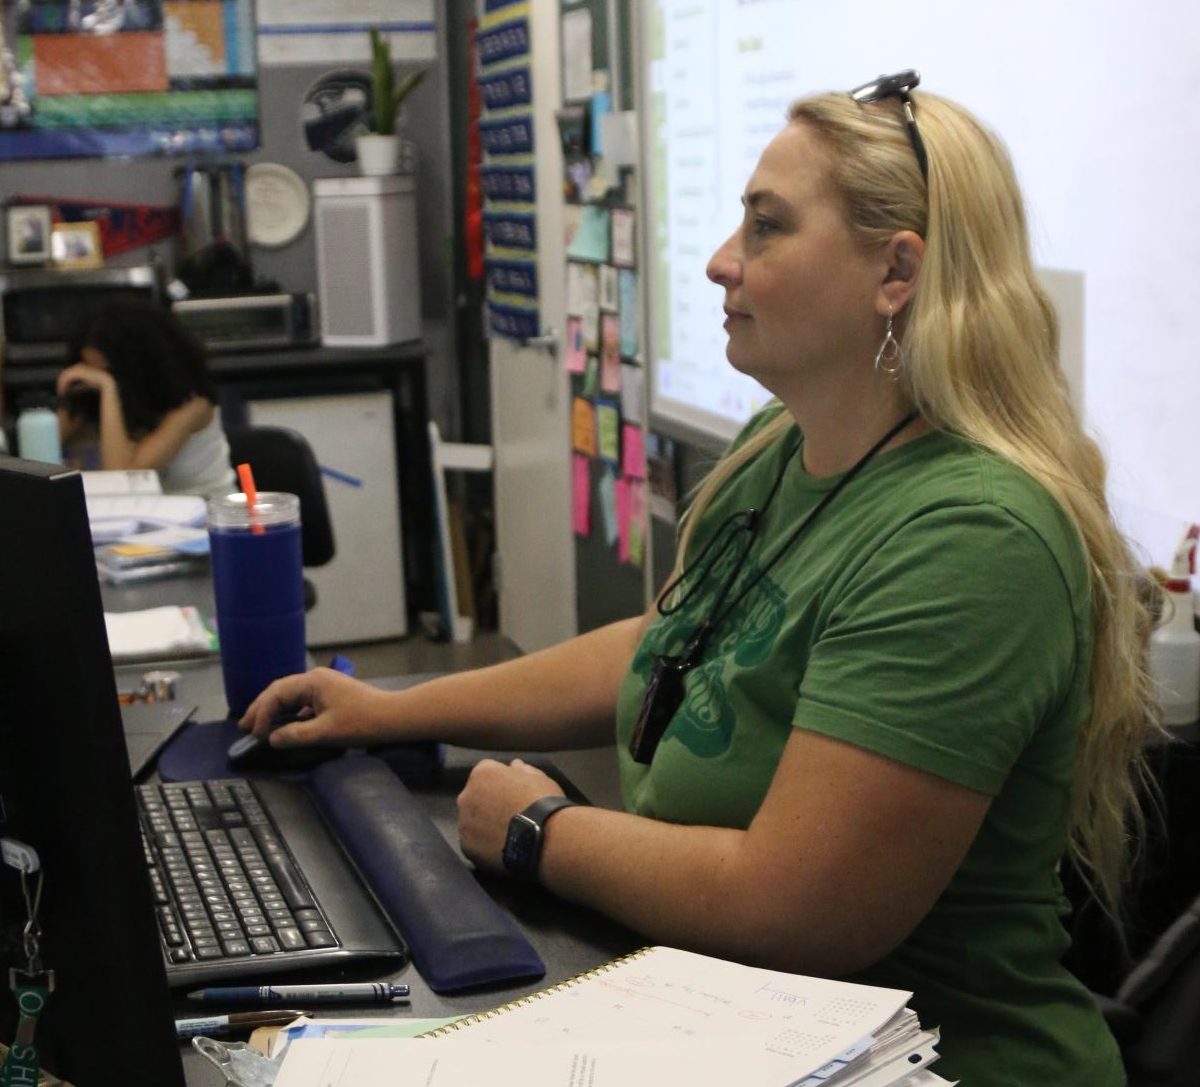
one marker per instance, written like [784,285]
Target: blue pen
[365,992]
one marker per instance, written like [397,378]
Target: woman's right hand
[334,709]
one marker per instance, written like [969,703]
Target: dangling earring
[889,359]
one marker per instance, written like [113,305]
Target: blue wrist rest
[198,752]
[458,936]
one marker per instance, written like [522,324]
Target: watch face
[521,846]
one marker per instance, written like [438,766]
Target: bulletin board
[139,77]
[609,441]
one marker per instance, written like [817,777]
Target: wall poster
[88,78]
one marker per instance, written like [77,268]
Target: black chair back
[282,460]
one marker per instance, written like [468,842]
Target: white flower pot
[378,155]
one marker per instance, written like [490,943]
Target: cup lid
[272,508]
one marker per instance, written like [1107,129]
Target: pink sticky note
[633,451]
[582,508]
[576,350]
[623,519]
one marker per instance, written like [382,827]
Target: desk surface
[569,939]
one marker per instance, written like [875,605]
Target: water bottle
[38,437]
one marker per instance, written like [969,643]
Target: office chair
[282,460]
[1155,1012]
[1150,997]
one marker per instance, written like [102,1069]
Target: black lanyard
[664,689]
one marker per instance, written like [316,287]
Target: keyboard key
[321,937]
[291,938]
[291,886]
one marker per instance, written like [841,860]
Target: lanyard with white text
[31,987]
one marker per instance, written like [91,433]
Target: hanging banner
[506,173]
[122,226]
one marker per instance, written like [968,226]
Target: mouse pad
[149,727]
[198,752]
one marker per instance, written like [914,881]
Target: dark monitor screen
[65,789]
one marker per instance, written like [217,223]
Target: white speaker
[367,272]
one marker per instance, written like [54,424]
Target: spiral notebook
[660,1016]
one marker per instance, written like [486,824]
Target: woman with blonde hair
[897,672]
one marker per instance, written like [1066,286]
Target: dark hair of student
[156,362]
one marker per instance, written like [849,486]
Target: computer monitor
[65,789]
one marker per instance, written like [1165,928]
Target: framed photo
[76,245]
[28,233]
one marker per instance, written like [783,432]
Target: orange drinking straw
[246,478]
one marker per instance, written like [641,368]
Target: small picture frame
[28,233]
[76,245]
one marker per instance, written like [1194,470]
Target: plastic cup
[258,583]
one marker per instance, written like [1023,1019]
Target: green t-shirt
[937,612]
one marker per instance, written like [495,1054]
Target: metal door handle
[548,341]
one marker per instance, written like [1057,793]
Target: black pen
[354,992]
[225,1024]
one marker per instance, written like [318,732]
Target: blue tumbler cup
[258,582]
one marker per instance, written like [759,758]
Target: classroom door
[531,402]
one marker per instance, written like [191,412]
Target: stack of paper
[113,517]
[121,481]
[658,1018]
[158,634]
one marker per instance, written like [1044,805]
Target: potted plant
[379,149]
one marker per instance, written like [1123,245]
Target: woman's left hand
[92,377]
[493,795]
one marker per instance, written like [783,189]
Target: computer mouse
[252,752]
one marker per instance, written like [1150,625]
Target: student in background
[898,672]
[140,379]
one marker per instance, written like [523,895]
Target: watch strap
[541,810]
[531,822]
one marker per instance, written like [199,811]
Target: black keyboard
[225,884]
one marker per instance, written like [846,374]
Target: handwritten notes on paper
[634,458]
[623,252]
[607,490]
[633,394]
[608,438]
[583,427]
[591,241]
[610,356]
[666,1018]
[576,351]
[627,304]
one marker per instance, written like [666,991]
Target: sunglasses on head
[898,86]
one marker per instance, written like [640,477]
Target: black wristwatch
[526,832]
